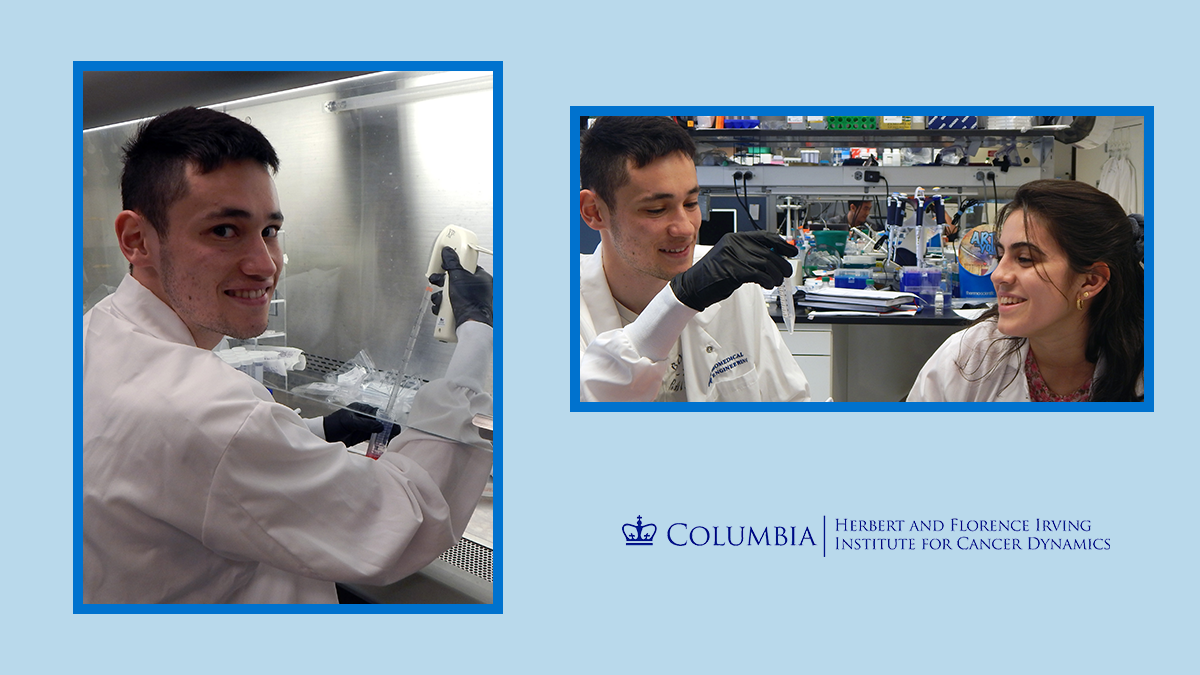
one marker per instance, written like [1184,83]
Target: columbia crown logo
[639,535]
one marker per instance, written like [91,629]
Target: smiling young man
[654,326]
[220,262]
[197,486]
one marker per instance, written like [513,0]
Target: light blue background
[576,599]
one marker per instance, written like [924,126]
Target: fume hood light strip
[470,557]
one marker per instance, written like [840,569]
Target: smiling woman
[1068,324]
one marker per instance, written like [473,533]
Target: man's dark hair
[857,202]
[157,157]
[612,142]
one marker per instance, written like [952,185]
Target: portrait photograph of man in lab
[197,486]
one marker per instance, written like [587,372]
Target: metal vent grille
[471,557]
[322,364]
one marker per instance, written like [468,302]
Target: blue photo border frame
[1147,112]
[497,605]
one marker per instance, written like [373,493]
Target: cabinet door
[818,371]
[809,341]
[812,348]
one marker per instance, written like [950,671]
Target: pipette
[466,244]
[897,202]
[920,196]
[389,415]
[939,216]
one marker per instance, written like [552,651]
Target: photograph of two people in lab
[700,246]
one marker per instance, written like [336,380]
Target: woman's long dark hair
[1091,227]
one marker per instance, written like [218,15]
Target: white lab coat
[1119,179]
[986,375]
[199,488]
[732,351]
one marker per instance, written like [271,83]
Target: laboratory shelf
[851,180]
[867,137]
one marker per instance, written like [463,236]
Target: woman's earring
[1079,301]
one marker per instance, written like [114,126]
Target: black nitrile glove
[738,258]
[470,294]
[354,424]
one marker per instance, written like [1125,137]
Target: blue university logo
[639,535]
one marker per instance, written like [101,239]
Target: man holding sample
[653,325]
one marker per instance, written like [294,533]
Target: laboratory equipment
[825,253]
[851,278]
[939,213]
[952,122]
[819,261]
[787,292]
[787,302]
[949,272]
[922,282]
[792,228]
[860,262]
[403,390]
[896,205]
[465,243]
